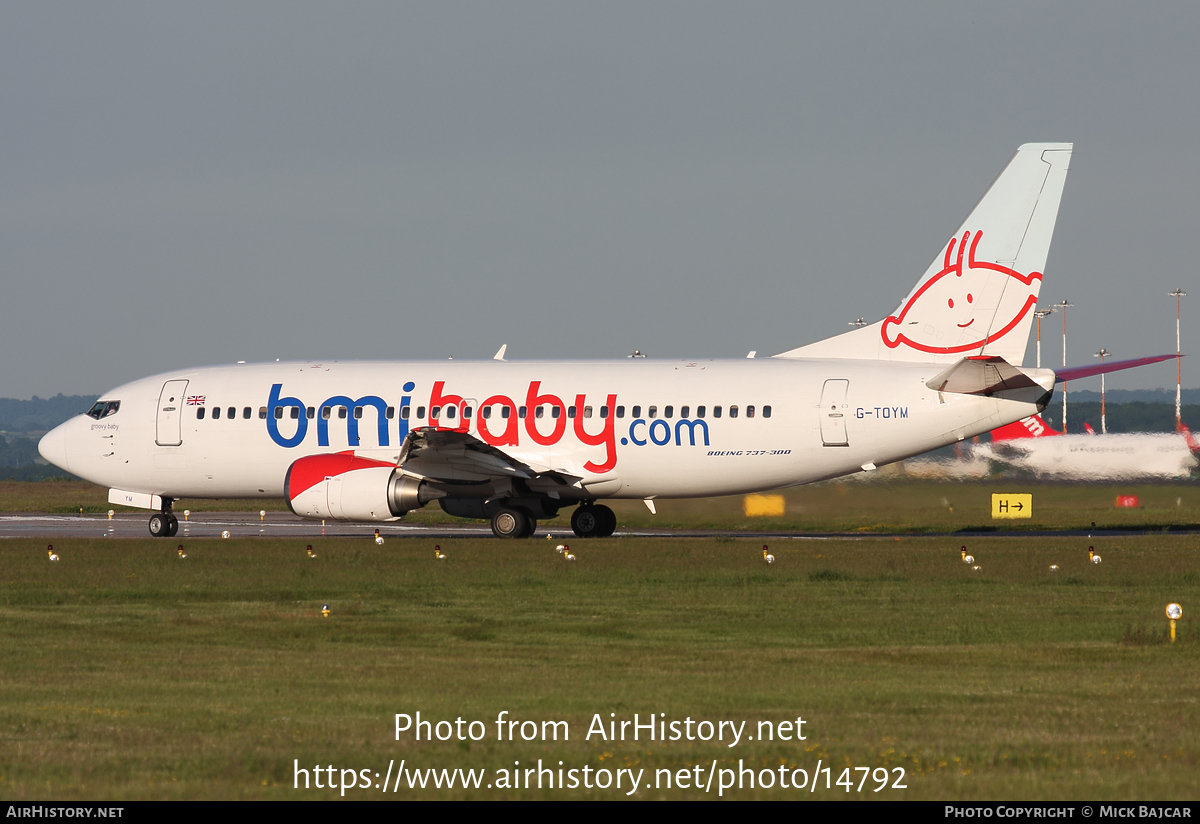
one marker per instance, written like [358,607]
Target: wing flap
[458,457]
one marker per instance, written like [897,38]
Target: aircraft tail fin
[1188,437]
[978,296]
[1031,427]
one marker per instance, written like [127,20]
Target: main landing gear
[513,523]
[593,521]
[589,520]
[164,524]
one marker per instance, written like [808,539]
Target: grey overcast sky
[194,183]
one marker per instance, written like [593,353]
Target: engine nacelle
[345,487]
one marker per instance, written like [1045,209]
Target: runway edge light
[1174,613]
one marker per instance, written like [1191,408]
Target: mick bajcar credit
[718,776]
[1024,811]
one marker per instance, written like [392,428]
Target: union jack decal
[195,400]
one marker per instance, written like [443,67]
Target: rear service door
[833,412]
[170,414]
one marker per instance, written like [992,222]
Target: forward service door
[833,412]
[170,414]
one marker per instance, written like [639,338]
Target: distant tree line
[1122,417]
[41,414]
[1188,396]
[20,461]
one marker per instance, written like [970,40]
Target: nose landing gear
[164,524]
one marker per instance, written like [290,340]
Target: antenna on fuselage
[500,352]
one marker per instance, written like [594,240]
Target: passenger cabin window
[587,411]
[325,411]
[199,413]
[420,413]
[341,412]
[358,413]
[669,412]
[505,411]
[262,413]
[555,411]
[683,411]
[570,411]
[716,411]
[766,411]
[231,412]
[749,411]
[733,411]
[539,412]
[637,411]
[522,412]
[467,411]
[216,412]
[699,411]
[486,413]
[246,412]
[390,413]
[620,411]
[653,412]
[309,413]
[295,410]
[435,413]
[279,413]
[450,410]
[604,412]
[405,411]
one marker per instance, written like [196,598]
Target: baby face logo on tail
[965,306]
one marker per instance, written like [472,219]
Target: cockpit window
[102,409]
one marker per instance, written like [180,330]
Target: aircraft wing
[459,457]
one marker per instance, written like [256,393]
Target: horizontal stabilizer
[1076,372]
[985,376]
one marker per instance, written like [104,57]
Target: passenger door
[170,413]
[833,412]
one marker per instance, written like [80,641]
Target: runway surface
[286,525]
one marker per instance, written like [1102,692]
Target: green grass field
[846,506]
[130,673]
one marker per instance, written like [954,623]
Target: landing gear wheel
[510,523]
[608,521]
[587,522]
[531,525]
[173,528]
[160,525]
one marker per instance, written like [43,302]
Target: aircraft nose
[53,447]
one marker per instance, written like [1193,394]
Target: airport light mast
[1103,423]
[1064,306]
[1177,294]
[1039,314]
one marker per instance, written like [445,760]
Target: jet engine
[344,487]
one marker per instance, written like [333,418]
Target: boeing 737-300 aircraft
[515,441]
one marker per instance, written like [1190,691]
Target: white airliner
[1032,446]
[514,441]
